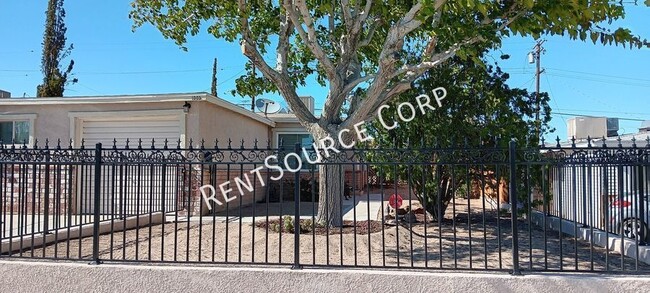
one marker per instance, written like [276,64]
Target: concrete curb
[80,231]
[19,276]
[612,242]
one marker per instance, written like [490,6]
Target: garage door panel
[133,189]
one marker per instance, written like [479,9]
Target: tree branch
[286,28]
[281,80]
[387,59]
[309,36]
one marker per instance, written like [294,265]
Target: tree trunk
[331,191]
[330,181]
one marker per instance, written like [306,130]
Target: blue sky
[110,59]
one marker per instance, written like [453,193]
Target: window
[14,131]
[287,141]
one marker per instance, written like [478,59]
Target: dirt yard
[479,241]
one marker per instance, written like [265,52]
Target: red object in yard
[623,203]
[395,201]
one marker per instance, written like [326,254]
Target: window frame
[30,118]
[276,144]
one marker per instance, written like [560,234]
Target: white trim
[108,115]
[77,119]
[22,117]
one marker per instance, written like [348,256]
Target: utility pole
[536,55]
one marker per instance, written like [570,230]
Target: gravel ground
[480,241]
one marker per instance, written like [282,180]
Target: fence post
[296,216]
[46,209]
[512,195]
[96,199]
[642,191]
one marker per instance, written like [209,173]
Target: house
[184,117]
[152,121]
[595,171]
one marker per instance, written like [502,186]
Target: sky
[111,59]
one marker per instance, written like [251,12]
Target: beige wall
[214,122]
[204,120]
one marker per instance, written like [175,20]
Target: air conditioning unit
[594,127]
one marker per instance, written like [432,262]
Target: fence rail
[510,208]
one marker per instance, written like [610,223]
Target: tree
[54,51]
[356,49]
[481,109]
[213,88]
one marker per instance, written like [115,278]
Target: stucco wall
[53,122]
[204,120]
[216,123]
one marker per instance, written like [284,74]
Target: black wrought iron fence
[546,208]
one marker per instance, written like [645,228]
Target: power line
[598,80]
[586,115]
[599,111]
[552,97]
[598,74]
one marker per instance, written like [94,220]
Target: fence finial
[58,143]
[633,142]
[604,140]
[166,141]
[127,143]
[589,141]
[114,143]
[573,141]
[140,143]
[202,144]
[557,141]
[620,145]
[255,147]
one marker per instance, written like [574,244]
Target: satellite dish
[267,106]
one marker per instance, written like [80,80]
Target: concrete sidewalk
[362,208]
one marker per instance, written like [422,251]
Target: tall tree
[480,108]
[357,48]
[213,89]
[54,51]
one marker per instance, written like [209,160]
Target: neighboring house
[585,185]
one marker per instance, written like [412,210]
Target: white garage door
[134,188]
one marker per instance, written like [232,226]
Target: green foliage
[486,22]
[54,51]
[286,225]
[479,109]
[213,87]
